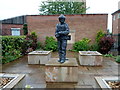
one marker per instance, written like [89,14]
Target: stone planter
[39,57]
[90,58]
[18,81]
[65,73]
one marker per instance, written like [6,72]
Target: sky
[13,8]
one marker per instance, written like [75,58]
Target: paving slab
[35,74]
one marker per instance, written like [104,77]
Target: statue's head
[62,18]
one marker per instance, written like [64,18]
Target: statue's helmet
[61,16]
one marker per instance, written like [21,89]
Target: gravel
[4,81]
[115,84]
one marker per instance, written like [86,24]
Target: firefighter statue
[61,33]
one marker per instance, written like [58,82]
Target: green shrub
[108,55]
[99,35]
[50,44]
[15,46]
[25,29]
[82,45]
[31,40]
[11,47]
[94,47]
[39,45]
[118,59]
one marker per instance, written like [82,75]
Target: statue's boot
[60,56]
[62,61]
[59,60]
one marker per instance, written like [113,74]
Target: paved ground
[35,75]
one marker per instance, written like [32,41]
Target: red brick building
[13,26]
[81,26]
[116,28]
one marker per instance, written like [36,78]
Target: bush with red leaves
[105,44]
[32,40]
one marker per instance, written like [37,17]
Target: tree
[25,29]
[51,8]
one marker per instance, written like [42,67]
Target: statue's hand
[60,32]
[63,32]
[57,35]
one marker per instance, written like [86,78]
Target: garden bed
[114,84]
[12,80]
[4,81]
[108,82]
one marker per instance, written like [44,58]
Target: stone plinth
[39,57]
[66,72]
[90,58]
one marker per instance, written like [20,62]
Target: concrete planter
[90,58]
[18,81]
[39,57]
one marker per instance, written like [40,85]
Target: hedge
[12,48]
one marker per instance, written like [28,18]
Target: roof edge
[72,14]
[116,11]
[59,14]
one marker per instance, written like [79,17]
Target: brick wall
[119,26]
[6,28]
[116,28]
[115,23]
[85,25]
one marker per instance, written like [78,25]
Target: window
[15,31]
[118,15]
[114,17]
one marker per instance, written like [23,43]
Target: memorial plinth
[66,72]
[90,58]
[39,57]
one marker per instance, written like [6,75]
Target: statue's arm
[66,32]
[56,32]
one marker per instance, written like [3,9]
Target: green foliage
[82,45]
[108,55]
[31,41]
[50,8]
[25,29]
[118,59]
[50,44]
[100,34]
[11,47]
[94,47]
[14,47]
[39,45]
[33,34]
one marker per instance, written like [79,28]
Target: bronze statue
[62,31]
